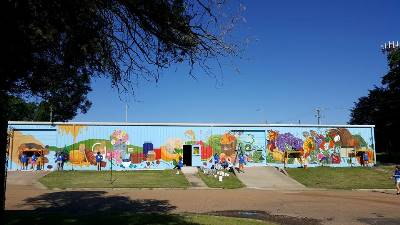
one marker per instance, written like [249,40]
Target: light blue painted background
[159,135]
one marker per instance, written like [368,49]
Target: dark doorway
[187,155]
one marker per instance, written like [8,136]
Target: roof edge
[183,124]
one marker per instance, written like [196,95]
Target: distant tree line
[20,110]
[382,107]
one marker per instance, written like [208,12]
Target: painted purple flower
[288,141]
[297,143]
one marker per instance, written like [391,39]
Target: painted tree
[381,107]
[52,49]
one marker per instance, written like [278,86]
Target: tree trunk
[3,146]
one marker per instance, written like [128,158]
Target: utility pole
[318,115]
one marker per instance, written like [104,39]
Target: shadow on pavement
[93,207]
[89,201]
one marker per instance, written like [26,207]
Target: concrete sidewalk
[28,178]
[268,178]
[194,180]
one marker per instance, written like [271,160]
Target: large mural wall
[319,146]
[159,147]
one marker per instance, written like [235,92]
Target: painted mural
[332,146]
[158,147]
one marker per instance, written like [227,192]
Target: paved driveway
[268,178]
[301,206]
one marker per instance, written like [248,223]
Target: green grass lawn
[344,178]
[31,217]
[230,182]
[386,168]
[122,179]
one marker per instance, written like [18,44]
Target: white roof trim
[183,124]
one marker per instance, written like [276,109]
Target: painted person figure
[24,161]
[224,164]
[60,161]
[362,163]
[64,159]
[179,165]
[216,158]
[396,177]
[241,163]
[40,162]
[230,166]
[33,161]
[99,159]
[240,149]
[366,159]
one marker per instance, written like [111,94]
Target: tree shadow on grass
[93,207]
[92,201]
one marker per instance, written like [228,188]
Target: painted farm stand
[131,146]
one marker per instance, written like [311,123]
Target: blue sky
[304,55]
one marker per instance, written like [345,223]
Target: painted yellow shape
[277,155]
[76,157]
[73,130]
[166,156]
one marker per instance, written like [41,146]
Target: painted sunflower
[308,146]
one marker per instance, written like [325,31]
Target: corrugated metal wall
[68,137]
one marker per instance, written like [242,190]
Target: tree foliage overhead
[381,107]
[54,48]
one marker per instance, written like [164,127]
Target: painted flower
[119,137]
[308,146]
[319,140]
[288,141]
[272,135]
[323,145]
[336,138]
[331,144]
[320,156]
[115,156]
